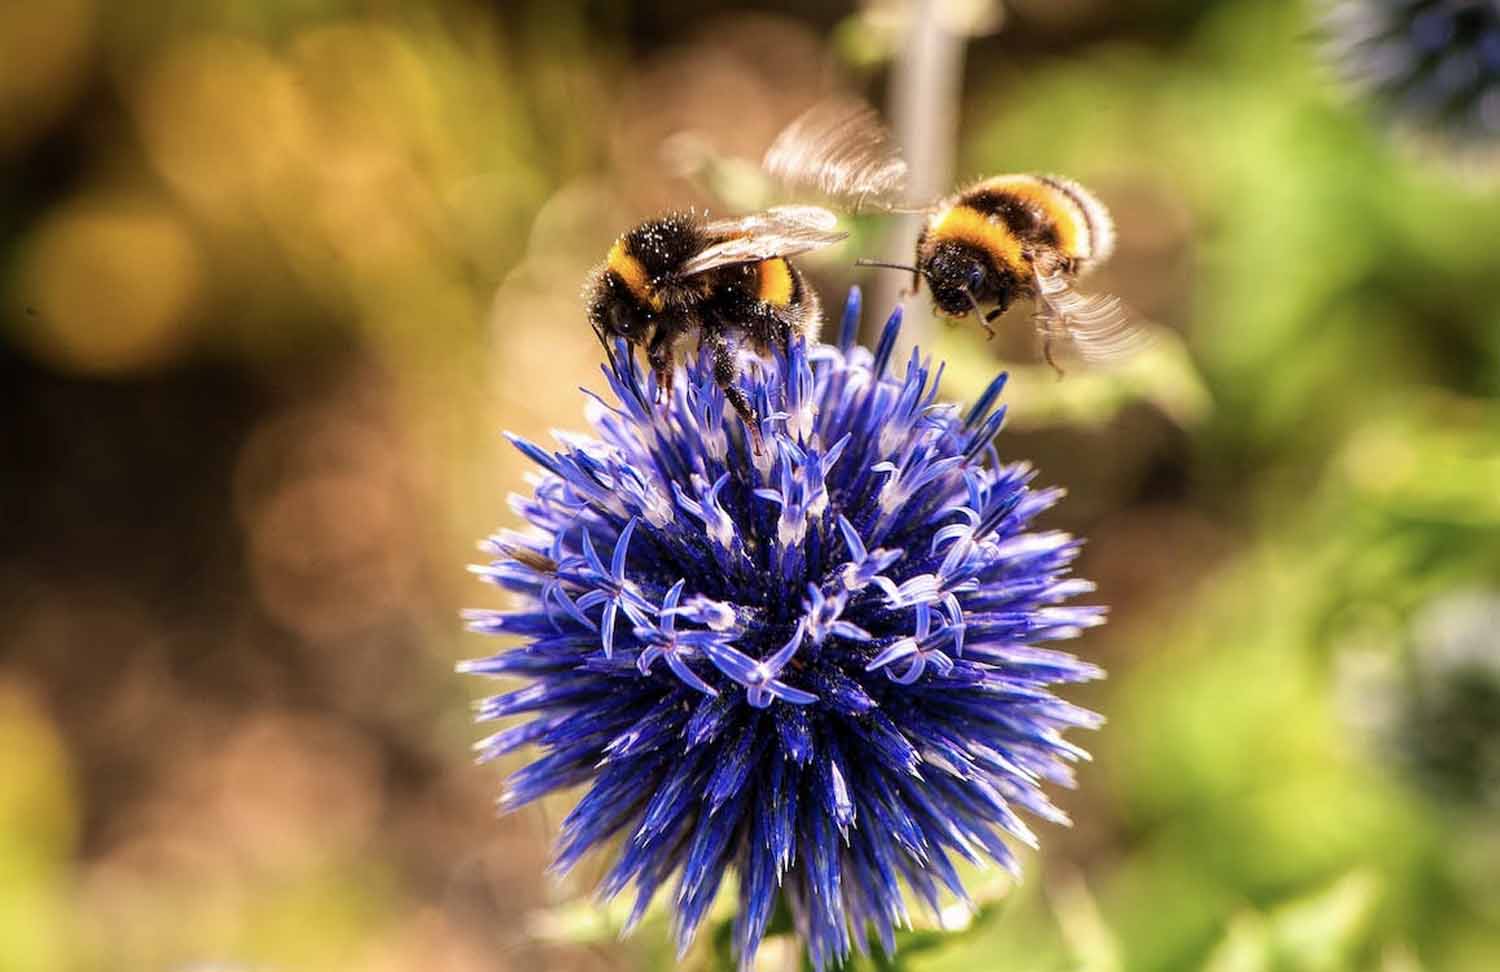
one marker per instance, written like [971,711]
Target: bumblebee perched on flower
[727,281]
[1003,238]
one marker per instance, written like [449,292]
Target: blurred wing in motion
[841,149]
[780,218]
[780,232]
[1101,327]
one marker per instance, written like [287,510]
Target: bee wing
[779,219]
[841,149]
[1102,327]
[779,232]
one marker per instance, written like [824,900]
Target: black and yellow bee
[1004,238]
[725,282]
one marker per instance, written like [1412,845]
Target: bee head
[961,278]
[615,312]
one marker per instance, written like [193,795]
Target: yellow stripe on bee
[632,274]
[775,284]
[970,226]
[1057,207]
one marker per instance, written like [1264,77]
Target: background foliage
[277,271]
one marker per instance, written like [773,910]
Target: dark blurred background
[276,273]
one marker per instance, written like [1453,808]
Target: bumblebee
[1004,238]
[729,282]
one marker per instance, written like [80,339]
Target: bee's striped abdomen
[1045,212]
[774,282]
[1101,228]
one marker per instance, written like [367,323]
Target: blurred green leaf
[1090,942]
[1322,932]
[1162,376]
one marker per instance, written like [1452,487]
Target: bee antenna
[603,338]
[890,266]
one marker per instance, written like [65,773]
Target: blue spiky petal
[1432,65]
[818,668]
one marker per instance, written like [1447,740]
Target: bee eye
[621,321]
[976,277]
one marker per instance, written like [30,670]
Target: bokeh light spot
[43,55]
[112,286]
[221,118]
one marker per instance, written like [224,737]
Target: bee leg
[664,384]
[980,316]
[659,354]
[757,444]
[1047,356]
[1048,325]
[726,370]
[916,273]
[986,323]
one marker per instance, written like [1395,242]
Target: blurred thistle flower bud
[821,669]
[1431,66]
[1435,709]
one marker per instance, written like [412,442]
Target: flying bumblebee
[727,281]
[1004,238]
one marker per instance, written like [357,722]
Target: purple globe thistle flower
[1433,709]
[816,667]
[1432,64]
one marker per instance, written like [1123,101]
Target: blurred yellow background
[276,273]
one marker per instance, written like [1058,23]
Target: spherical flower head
[1431,65]
[1436,712]
[818,667]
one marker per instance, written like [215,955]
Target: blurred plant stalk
[924,91]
